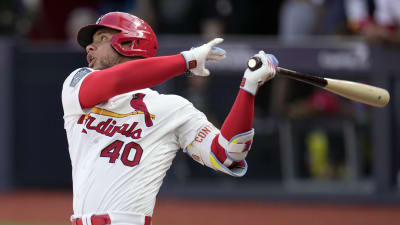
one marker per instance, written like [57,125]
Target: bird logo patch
[138,104]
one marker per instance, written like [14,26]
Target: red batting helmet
[132,29]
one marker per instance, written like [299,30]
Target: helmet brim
[85,34]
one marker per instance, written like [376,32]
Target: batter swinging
[123,136]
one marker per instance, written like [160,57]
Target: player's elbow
[234,150]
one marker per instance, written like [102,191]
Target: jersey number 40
[113,152]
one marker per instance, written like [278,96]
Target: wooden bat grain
[364,93]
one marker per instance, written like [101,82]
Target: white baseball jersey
[121,149]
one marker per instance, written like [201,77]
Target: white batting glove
[196,57]
[252,80]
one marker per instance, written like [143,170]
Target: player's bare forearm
[102,85]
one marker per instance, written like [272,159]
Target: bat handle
[254,63]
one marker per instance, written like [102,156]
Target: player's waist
[113,218]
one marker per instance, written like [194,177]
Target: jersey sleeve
[70,92]
[196,135]
[194,120]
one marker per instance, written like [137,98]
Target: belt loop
[87,219]
[147,220]
[73,220]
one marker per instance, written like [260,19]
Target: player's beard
[108,62]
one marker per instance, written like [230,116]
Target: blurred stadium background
[317,158]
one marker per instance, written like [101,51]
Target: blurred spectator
[251,17]
[198,92]
[333,20]
[7,16]
[316,116]
[59,20]
[378,21]
[216,17]
[317,143]
[20,15]
[298,18]
[106,6]
[181,16]
[52,18]
[145,10]
[318,103]
[78,18]
[55,20]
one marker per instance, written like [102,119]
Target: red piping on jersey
[102,85]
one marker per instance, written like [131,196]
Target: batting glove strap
[190,59]
[249,86]
[196,57]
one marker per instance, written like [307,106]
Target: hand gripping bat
[359,92]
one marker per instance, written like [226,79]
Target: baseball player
[123,136]
[380,25]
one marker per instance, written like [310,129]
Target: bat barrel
[364,93]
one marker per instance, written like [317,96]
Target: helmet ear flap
[118,40]
[139,46]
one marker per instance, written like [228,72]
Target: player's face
[100,54]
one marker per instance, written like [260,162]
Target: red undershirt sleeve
[102,85]
[239,120]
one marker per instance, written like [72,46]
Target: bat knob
[254,63]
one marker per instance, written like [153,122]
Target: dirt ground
[38,207]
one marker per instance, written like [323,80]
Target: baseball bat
[359,92]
